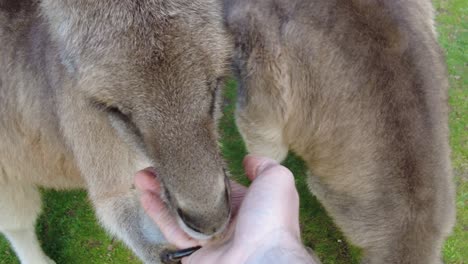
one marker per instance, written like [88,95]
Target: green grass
[70,234]
[452,18]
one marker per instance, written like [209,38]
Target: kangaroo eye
[117,112]
[111,110]
[122,121]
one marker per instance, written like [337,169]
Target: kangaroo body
[358,89]
[91,92]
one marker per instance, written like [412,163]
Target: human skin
[265,220]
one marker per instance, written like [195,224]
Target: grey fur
[91,92]
[358,89]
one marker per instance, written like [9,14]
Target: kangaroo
[358,89]
[93,91]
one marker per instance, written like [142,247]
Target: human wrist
[280,246]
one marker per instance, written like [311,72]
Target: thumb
[255,165]
[272,193]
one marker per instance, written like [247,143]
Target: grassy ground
[69,232]
[453,28]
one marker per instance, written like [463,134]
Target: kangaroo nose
[194,222]
[208,221]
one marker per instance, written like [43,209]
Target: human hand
[265,221]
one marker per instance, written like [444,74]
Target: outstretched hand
[265,218]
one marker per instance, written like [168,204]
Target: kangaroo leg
[263,139]
[376,210]
[388,230]
[122,215]
[20,206]
[260,122]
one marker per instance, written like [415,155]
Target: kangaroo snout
[206,224]
[207,220]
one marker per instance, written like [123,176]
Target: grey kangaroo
[358,89]
[91,92]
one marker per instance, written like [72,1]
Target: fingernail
[152,171]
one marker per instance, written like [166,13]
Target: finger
[158,212]
[145,180]
[238,192]
[278,175]
[254,165]
[273,192]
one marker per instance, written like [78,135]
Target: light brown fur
[358,89]
[91,92]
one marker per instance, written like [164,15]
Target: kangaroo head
[155,69]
